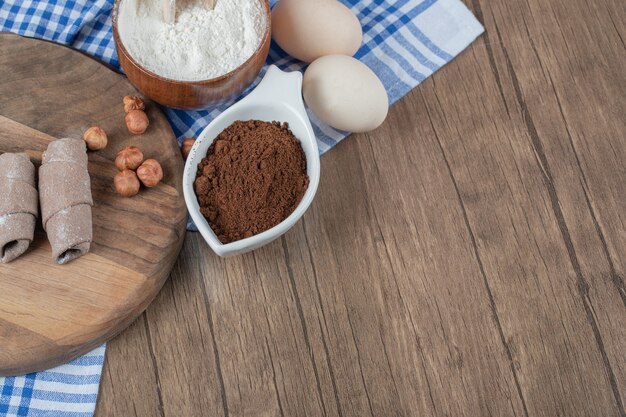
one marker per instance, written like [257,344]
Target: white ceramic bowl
[277,97]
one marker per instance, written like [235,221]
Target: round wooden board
[52,313]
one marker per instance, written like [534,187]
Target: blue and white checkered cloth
[404,41]
[67,390]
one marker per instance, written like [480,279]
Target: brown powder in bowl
[253,177]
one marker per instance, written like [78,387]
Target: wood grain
[51,313]
[465,259]
[194,94]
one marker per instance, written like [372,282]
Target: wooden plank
[381,247]
[571,101]
[180,328]
[141,390]
[525,261]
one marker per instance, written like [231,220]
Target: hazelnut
[187,144]
[137,121]
[133,103]
[129,158]
[126,183]
[150,173]
[95,138]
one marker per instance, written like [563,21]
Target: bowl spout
[279,86]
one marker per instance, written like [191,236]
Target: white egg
[345,94]
[309,29]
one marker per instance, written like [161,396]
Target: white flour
[202,44]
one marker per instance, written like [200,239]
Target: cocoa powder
[253,177]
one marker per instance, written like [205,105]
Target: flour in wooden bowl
[201,44]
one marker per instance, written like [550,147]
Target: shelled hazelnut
[137,121]
[130,157]
[133,103]
[126,183]
[150,173]
[95,138]
[186,147]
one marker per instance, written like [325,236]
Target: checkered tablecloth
[404,42]
[67,390]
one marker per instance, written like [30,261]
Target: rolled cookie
[65,196]
[18,205]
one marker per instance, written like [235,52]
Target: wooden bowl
[193,95]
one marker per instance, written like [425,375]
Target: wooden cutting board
[52,313]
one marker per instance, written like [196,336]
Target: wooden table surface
[465,259]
